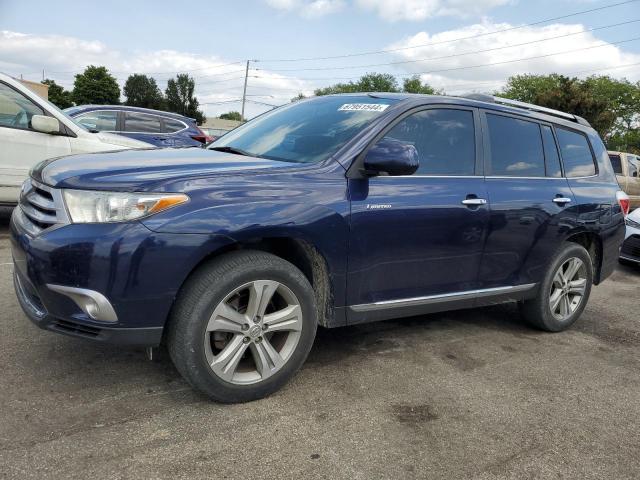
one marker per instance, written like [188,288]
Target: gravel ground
[470,394]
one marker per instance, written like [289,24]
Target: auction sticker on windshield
[363,107]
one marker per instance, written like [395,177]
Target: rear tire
[242,325]
[564,291]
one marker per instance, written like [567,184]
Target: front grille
[41,207]
[631,247]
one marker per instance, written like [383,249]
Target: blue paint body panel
[382,238]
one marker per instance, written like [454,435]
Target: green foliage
[96,86]
[371,82]
[143,91]
[60,97]
[180,98]
[300,96]
[378,82]
[231,116]
[415,85]
[580,97]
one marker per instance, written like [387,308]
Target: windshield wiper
[237,151]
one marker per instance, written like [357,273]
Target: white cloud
[443,63]
[62,57]
[418,10]
[308,8]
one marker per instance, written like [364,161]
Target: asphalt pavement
[473,394]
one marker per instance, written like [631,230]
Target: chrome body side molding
[444,298]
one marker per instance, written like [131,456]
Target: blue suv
[159,128]
[333,211]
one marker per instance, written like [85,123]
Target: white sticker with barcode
[363,107]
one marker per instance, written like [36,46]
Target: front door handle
[474,201]
[562,200]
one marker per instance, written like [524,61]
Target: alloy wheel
[253,332]
[568,288]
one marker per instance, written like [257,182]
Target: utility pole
[244,91]
[43,74]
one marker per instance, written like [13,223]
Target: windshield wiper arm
[237,151]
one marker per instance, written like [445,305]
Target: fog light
[93,303]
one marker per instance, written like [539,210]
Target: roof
[85,108]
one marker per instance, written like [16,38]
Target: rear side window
[551,157]
[576,153]
[516,147]
[616,163]
[172,126]
[142,123]
[444,139]
[633,166]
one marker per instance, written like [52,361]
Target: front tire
[243,324]
[564,292]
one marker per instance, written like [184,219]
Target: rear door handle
[562,200]
[474,201]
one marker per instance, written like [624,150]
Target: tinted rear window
[172,126]
[616,163]
[516,147]
[576,153]
[141,122]
[551,156]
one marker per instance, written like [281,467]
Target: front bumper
[138,271]
[630,250]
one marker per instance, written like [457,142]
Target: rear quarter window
[616,163]
[576,153]
[172,126]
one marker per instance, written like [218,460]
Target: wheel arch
[593,245]
[299,252]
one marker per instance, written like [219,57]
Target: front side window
[444,139]
[100,120]
[142,123]
[516,147]
[616,163]
[16,110]
[576,153]
[308,131]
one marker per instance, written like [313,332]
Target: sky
[456,45]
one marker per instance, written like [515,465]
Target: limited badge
[363,107]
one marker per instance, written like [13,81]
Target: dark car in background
[332,211]
[163,129]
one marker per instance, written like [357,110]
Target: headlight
[631,223]
[87,206]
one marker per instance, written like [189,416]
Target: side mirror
[391,156]
[44,124]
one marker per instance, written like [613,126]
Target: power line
[391,50]
[349,67]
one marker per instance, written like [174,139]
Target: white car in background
[33,129]
[630,251]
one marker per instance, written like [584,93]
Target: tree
[300,96]
[180,98]
[566,94]
[371,82]
[378,82]
[60,97]
[231,116]
[142,91]
[415,85]
[97,86]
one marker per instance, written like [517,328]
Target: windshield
[305,132]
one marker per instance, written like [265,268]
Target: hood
[120,140]
[635,215]
[143,170]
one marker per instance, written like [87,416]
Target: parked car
[630,252]
[33,129]
[163,129]
[626,166]
[214,133]
[331,211]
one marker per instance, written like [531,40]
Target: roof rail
[526,106]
